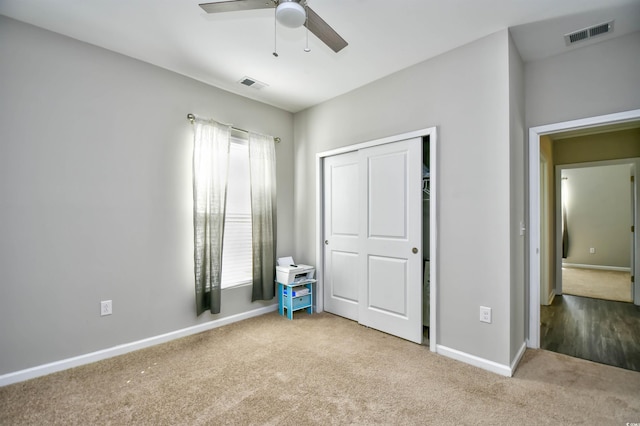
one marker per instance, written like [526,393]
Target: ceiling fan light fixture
[291,14]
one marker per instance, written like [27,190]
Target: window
[237,254]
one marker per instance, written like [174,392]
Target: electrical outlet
[106,307]
[485,314]
[592,250]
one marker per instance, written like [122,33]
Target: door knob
[326,242]
[414,250]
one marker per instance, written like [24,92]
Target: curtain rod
[192,118]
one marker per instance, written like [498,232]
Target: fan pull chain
[306,49]
[275,35]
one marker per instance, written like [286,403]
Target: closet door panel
[387,205]
[383,297]
[341,233]
[391,236]
[345,276]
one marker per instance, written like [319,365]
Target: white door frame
[433,230]
[533,340]
[544,235]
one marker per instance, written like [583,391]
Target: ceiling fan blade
[323,31]
[235,5]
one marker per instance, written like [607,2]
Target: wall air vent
[252,82]
[587,33]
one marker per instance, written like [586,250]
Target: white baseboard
[518,357]
[600,267]
[42,370]
[485,364]
[552,296]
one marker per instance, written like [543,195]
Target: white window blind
[237,262]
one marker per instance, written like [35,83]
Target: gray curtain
[262,161]
[210,171]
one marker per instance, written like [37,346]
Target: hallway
[598,330]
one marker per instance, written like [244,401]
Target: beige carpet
[319,369]
[598,284]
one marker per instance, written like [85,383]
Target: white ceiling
[383,36]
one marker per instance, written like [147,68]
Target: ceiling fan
[290,13]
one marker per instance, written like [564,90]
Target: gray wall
[465,93]
[598,201]
[595,80]
[95,196]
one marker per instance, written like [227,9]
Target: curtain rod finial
[191,117]
[277,139]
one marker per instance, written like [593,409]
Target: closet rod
[192,118]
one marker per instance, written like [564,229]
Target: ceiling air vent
[587,33]
[252,82]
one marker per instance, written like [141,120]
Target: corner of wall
[518,212]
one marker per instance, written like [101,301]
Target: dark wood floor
[598,330]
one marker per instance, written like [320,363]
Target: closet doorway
[370,260]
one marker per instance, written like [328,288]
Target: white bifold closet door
[373,237]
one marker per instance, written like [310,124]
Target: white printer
[287,272]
